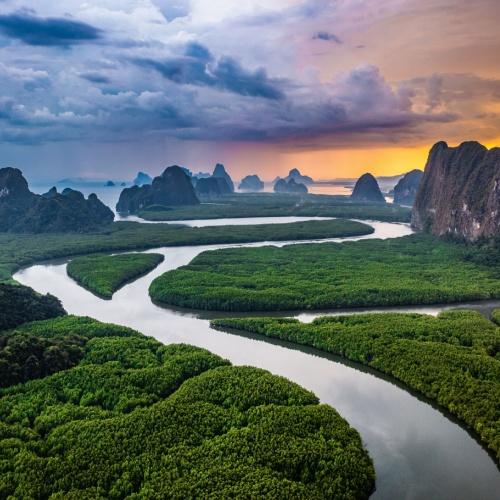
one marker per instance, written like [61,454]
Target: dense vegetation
[138,419]
[416,269]
[24,356]
[453,359]
[495,316]
[105,274]
[19,304]
[276,205]
[18,250]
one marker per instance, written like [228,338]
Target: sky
[336,88]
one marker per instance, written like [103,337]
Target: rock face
[220,171]
[251,183]
[298,177]
[211,187]
[27,212]
[283,186]
[406,189]
[142,179]
[172,188]
[367,190]
[460,192]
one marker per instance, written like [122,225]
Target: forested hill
[134,418]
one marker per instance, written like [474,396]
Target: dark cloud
[50,31]
[95,77]
[326,36]
[198,66]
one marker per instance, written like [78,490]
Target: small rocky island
[367,190]
[460,192]
[211,187]
[298,177]
[284,186]
[406,189]
[26,212]
[142,178]
[220,172]
[172,188]
[251,183]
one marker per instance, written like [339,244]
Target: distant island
[290,186]
[27,212]
[220,172]
[367,190]
[251,183]
[172,188]
[295,175]
[406,189]
[142,178]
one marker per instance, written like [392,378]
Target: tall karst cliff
[460,192]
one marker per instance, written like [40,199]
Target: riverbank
[453,359]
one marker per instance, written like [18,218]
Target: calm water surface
[419,453]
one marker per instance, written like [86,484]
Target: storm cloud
[53,31]
[285,75]
[198,66]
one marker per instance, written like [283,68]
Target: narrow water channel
[419,453]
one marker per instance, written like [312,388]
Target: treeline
[19,304]
[136,418]
[416,269]
[17,250]
[453,359]
[280,205]
[105,274]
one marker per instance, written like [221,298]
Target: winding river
[419,452]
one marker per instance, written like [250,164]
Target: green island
[278,205]
[18,250]
[416,269]
[122,415]
[103,275]
[453,359]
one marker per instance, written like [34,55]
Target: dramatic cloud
[47,31]
[285,76]
[95,77]
[326,36]
[197,66]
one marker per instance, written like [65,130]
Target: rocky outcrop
[460,192]
[110,184]
[251,183]
[283,186]
[142,178]
[367,190]
[298,177]
[27,212]
[220,171]
[211,187]
[172,188]
[406,189]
